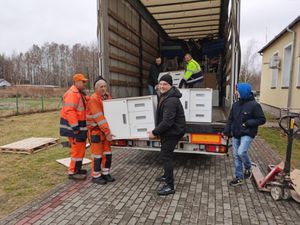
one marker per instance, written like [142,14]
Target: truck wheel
[286,194]
[276,193]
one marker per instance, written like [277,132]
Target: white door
[116,114]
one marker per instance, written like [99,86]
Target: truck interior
[132,33]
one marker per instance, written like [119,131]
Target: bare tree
[50,63]
[250,69]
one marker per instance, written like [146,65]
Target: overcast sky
[27,22]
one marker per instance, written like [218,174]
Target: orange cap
[79,77]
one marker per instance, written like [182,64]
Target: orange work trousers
[77,155]
[101,155]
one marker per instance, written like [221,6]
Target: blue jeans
[151,90]
[240,152]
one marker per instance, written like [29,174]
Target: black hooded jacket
[244,119]
[154,72]
[170,119]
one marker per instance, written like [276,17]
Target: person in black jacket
[245,117]
[155,69]
[170,127]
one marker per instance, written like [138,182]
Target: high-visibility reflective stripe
[101,122]
[94,116]
[70,128]
[105,172]
[96,156]
[76,159]
[192,71]
[80,108]
[69,104]
[92,124]
[97,174]
[192,81]
[107,153]
[65,127]
[74,125]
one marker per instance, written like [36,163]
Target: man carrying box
[170,127]
[99,134]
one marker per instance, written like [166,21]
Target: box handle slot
[140,117]
[124,118]
[142,129]
[139,105]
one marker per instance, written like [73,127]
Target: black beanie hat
[97,79]
[167,78]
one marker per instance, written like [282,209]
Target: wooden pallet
[29,145]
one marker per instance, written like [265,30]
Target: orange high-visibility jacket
[96,121]
[73,114]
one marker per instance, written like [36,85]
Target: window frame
[273,72]
[283,86]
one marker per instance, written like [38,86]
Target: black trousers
[167,156]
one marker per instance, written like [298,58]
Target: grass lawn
[270,117]
[25,105]
[278,140]
[25,177]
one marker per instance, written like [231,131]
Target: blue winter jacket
[245,117]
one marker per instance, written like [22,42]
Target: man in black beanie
[170,127]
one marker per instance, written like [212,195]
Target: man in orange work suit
[73,124]
[99,134]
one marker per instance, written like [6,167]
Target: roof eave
[280,34]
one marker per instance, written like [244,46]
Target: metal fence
[22,105]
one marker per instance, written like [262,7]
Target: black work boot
[99,180]
[161,179]
[77,176]
[166,190]
[108,178]
[82,171]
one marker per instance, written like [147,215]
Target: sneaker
[99,180]
[236,182]
[82,171]
[108,178]
[248,174]
[160,179]
[166,190]
[77,176]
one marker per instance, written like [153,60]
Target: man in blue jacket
[245,117]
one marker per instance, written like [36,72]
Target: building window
[274,72]
[286,66]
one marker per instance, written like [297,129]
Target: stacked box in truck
[131,33]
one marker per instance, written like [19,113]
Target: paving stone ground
[202,195]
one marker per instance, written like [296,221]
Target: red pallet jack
[280,182]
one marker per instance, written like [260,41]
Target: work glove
[183,83]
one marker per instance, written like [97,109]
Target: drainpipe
[291,68]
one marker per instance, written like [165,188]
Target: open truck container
[131,33]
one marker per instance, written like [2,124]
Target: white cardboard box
[131,118]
